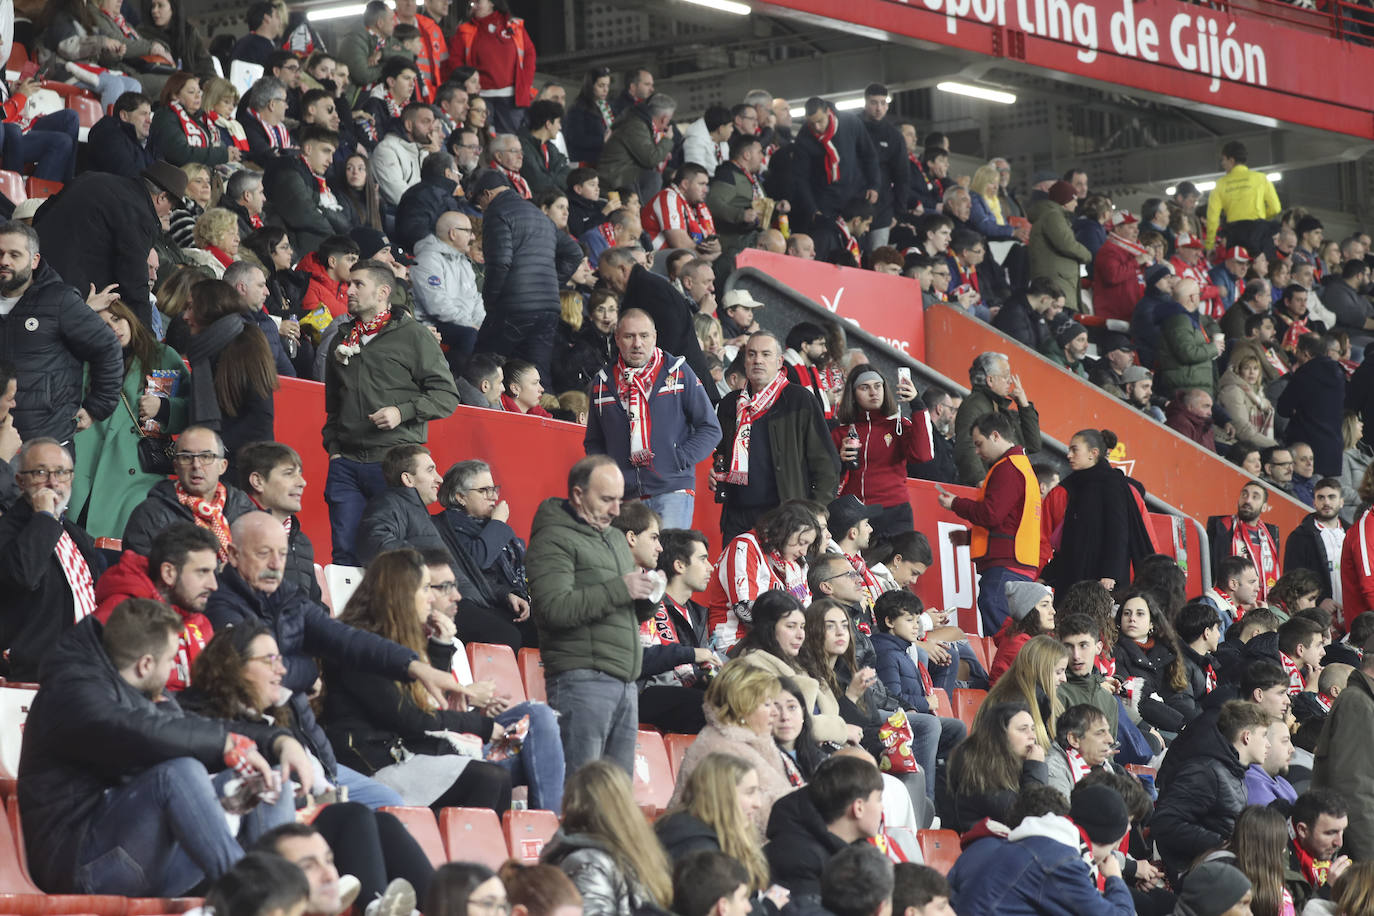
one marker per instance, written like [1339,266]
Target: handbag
[154,452]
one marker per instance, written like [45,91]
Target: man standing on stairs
[993,388]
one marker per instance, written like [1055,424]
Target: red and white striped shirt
[670,210]
[743,572]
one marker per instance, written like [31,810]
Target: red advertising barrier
[883,305]
[530,458]
[1220,58]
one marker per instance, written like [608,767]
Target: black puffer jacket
[300,561]
[519,244]
[1152,665]
[161,510]
[799,845]
[420,208]
[88,730]
[293,202]
[98,230]
[50,336]
[114,148]
[683,833]
[1199,804]
[581,355]
[393,519]
[1189,702]
[858,169]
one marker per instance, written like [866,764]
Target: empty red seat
[39,187]
[653,776]
[677,748]
[420,823]
[88,110]
[966,703]
[496,663]
[532,674]
[473,835]
[527,832]
[939,848]
[12,186]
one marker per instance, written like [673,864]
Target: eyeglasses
[272,660]
[490,904]
[444,588]
[47,474]
[488,492]
[204,459]
[851,574]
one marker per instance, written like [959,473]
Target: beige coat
[826,724]
[760,751]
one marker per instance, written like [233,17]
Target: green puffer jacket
[1186,352]
[584,613]
[631,150]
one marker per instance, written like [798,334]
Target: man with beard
[48,563]
[1138,385]
[943,407]
[401,363]
[179,571]
[1244,535]
[1316,543]
[1316,833]
[53,337]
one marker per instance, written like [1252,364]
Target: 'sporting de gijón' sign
[1194,39]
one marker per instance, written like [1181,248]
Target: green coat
[1025,430]
[581,606]
[1054,252]
[1185,357]
[631,150]
[1341,762]
[109,483]
[355,48]
[731,195]
[1055,354]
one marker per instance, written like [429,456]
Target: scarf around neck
[209,514]
[200,353]
[632,387]
[749,408]
[1267,562]
[195,134]
[826,138]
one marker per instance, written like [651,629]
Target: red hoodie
[886,444]
[129,579]
[323,290]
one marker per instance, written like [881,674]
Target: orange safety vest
[524,77]
[1027,536]
[433,54]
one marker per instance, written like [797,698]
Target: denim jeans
[367,791]
[675,508]
[524,335]
[933,739]
[50,145]
[992,596]
[112,85]
[598,715]
[540,763]
[164,832]
[347,488]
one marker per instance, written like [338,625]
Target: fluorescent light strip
[335,12]
[724,6]
[977,92]
[1204,186]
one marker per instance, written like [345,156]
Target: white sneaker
[397,900]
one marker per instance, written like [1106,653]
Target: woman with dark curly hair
[237,677]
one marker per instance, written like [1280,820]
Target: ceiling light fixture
[724,6]
[977,92]
[335,12]
[1204,186]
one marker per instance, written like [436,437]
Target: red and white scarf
[1078,767]
[851,244]
[1135,249]
[871,586]
[607,232]
[327,200]
[366,330]
[1106,665]
[78,575]
[1267,563]
[255,220]
[393,105]
[233,128]
[1210,682]
[603,108]
[122,24]
[1295,330]
[1324,702]
[632,387]
[195,134]
[521,186]
[1229,607]
[209,513]
[1296,682]
[1314,871]
[277,137]
[832,156]
[748,409]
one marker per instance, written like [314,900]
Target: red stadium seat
[653,776]
[12,186]
[38,187]
[496,663]
[527,832]
[677,748]
[939,848]
[420,823]
[946,707]
[532,674]
[473,835]
[161,906]
[966,703]
[88,110]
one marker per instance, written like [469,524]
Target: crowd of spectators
[419,222]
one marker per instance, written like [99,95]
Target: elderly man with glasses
[197,495]
[48,563]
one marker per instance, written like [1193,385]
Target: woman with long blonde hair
[1033,679]
[986,214]
[718,809]
[607,847]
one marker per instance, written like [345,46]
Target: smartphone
[903,374]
